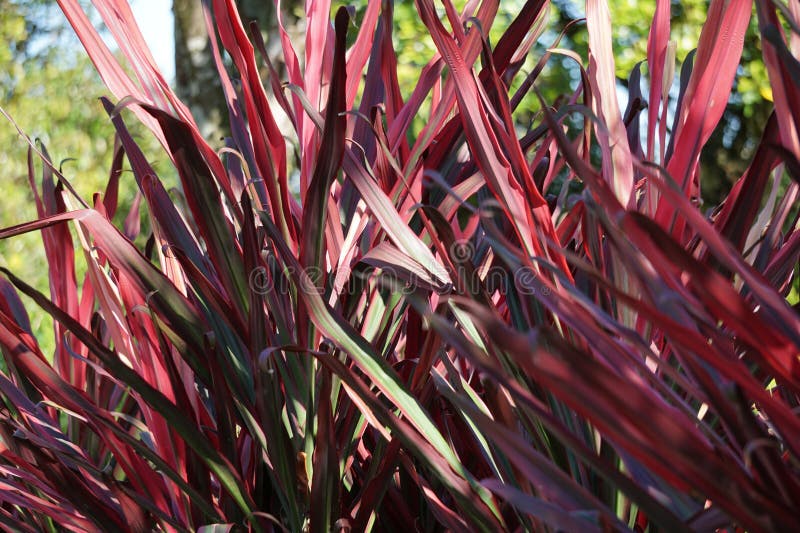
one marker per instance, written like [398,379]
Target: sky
[155,21]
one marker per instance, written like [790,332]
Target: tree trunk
[196,78]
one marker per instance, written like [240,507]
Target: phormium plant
[473,329]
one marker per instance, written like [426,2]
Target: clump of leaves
[473,329]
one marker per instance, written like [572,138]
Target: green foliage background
[51,90]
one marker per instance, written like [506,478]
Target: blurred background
[50,88]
